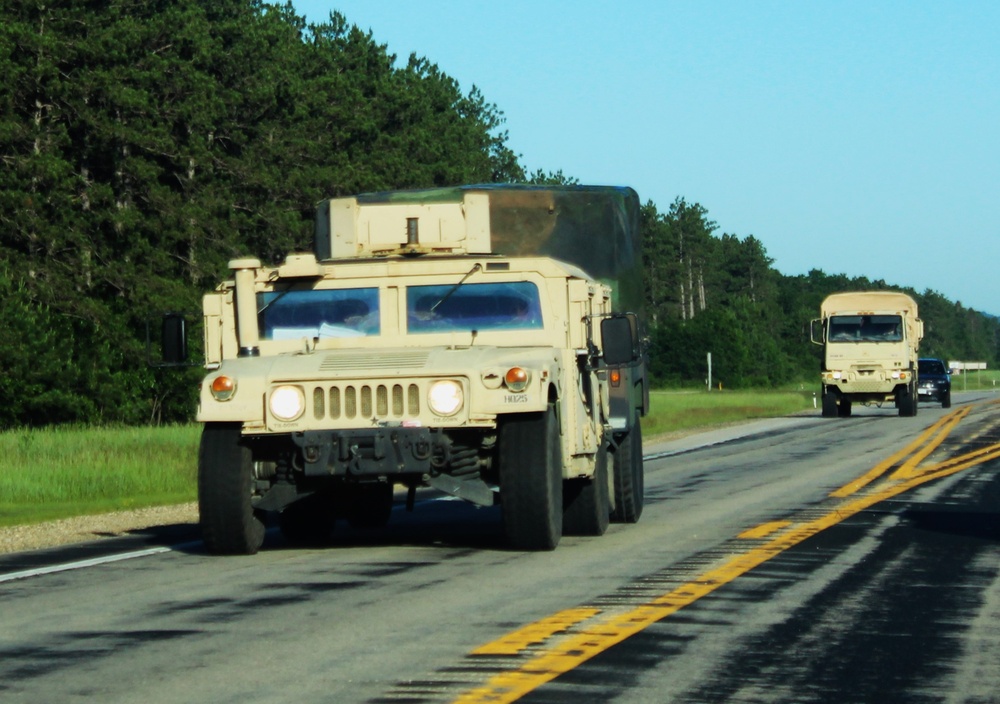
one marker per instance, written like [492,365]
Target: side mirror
[174,339]
[816,331]
[620,338]
[173,342]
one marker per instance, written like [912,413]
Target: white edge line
[81,564]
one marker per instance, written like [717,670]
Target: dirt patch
[86,528]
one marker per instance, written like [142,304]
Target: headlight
[836,375]
[445,397]
[223,387]
[895,374]
[287,402]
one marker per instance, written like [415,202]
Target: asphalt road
[794,560]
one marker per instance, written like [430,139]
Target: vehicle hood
[360,364]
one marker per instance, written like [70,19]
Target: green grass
[56,473]
[976,380]
[672,411]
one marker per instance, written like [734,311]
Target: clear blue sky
[854,137]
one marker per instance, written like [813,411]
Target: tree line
[145,144]
[721,295]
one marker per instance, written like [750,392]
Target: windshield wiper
[445,297]
[278,296]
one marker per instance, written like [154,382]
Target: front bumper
[933,392]
[372,451]
[867,383]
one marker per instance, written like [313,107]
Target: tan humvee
[449,339]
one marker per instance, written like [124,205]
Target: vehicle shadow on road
[440,524]
[972,524]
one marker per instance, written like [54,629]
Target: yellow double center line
[576,648]
[930,439]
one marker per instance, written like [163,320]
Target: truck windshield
[511,305]
[931,366]
[293,314]
[865,328]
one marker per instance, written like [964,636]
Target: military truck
[482,341]
[871,342]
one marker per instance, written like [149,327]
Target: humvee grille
[366,401]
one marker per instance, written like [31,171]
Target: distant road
[797,559]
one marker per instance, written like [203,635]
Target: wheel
[531,486]
[906,401]
[229,525]
[308,521]
[629,483]
[844,407]
[369,505]
[830,405]
[587,502]
[946,399]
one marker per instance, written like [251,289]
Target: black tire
[308,521]
[844,407]
[907,401]
[629,482]
[531,486]
[587,509]
[370,505]
[229,525]
[946,399]
[830,405]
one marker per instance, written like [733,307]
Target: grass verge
[61,472]
[674,411]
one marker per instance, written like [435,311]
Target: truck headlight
[287,402]
[445,397]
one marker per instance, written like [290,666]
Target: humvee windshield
[289,315]
[865,328]
[328,313]
[512,305]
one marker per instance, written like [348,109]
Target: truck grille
[869,387]
[365,401]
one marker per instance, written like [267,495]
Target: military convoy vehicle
[482,341]
[871,342]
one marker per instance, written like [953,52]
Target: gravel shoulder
[83,529]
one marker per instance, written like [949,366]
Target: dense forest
[144,144]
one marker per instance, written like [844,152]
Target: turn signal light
[223,387]
[517,378]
